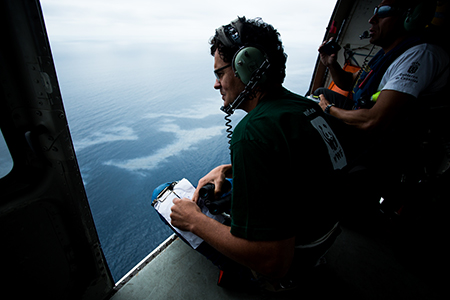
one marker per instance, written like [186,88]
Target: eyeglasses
[217,72]
[386,11]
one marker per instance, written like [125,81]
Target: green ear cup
[420,16]
[246,61]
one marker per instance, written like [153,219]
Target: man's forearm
[343,79]
[361,118]
[379,117]
[272,258]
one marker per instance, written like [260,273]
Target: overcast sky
[192,21]
[124,29]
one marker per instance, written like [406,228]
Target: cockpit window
[6,162]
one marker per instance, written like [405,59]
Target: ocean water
[138,121]
[142,115]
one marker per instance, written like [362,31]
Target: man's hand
[184,213]
[323,102]
[216,176]
[327,60]
[343,79]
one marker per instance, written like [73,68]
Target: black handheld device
[331,47]
[216,206]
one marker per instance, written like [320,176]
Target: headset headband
[229,34]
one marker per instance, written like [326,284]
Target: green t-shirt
[282,151]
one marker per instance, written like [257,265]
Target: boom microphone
[364,35]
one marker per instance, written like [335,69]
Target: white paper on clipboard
[183,189]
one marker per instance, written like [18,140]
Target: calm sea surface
[138,119]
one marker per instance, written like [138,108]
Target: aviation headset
[249,58]
[419,15]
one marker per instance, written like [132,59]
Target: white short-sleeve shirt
[420,71]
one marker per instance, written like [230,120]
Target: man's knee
[320,91]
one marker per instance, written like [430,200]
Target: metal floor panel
[359,266]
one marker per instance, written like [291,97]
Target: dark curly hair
[259,34]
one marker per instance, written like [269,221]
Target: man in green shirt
[282,221]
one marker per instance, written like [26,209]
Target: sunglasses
[386,11]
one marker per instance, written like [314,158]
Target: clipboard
[164,201]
